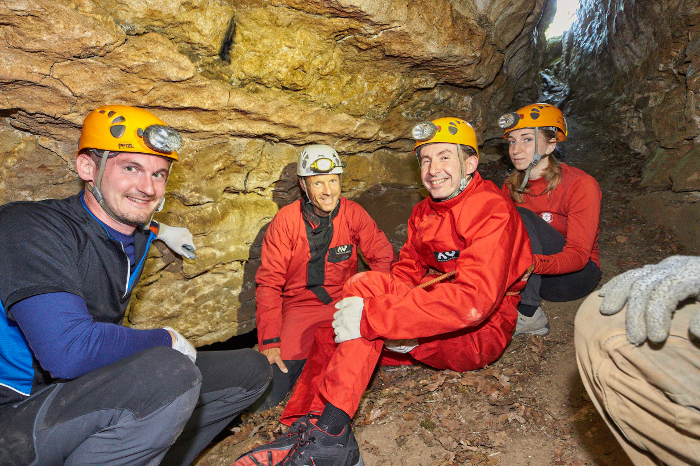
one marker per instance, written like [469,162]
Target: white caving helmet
[319,159]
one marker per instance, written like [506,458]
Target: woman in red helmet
[560,206]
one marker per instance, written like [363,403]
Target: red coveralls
[462,324]
[573,209]
[288,313]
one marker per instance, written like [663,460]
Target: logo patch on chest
[340,253]
[547,217]
[446,256]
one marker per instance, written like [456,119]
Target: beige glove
[346,322]
[181,344]
[178,239]
[652,294]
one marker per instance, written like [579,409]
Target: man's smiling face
[133,185]
[440,169]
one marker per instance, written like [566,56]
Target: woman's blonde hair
[551,174]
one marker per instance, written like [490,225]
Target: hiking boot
[535,325]
[319,448]
[272,453]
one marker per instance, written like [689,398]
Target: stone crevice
[326,11]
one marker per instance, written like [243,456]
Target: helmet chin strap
[161,204]
[95,190]
[535,160]
[464,180]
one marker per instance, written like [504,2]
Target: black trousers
[544,239]
[155,406]
[281,384]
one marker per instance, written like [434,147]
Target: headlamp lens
[162,138]
[323,165]
[508,120]
[424,131]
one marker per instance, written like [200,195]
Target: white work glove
[178,239]
[181,344]
[652,294]
[401,346]
[346,322]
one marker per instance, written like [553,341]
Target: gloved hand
[401,346]
[652,294]
[178,239]
[346,322]
[181,344]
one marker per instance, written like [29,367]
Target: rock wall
[248,82]
[635,67]
[633,70]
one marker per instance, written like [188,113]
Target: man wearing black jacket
[77,387]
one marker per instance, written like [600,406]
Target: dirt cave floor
[528,408]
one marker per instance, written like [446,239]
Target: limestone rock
[197,25]
[28,169]
[203,295]
[634,66]
[248,83]
[686,173]
[390,207]
[657,173]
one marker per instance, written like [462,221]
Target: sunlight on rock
[563,19]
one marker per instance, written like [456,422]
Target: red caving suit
[287,312]
[573,209]
[462,324]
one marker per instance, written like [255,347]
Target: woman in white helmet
[560,206]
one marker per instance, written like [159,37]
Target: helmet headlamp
[161,138]
[535,116]
[509,120]
[424,131]
[322,165]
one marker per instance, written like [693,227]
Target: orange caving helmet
[448,129]
[535,116]
[120,128]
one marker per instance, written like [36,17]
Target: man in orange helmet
[77,387]
[468,234]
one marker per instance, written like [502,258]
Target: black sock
[333,420]
[528,310]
